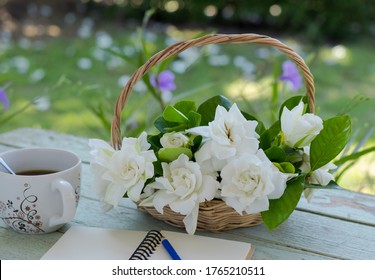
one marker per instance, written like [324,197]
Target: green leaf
[280,209]
[287,167]
[194,119]
[162,125]
[171,154]
[196,142]
[171,114]
[185,107]
[265,140]
[260,128]
[278,166]
[275,154]
[158,169]
[154,140]
[268,136]
[275,129]
[331,140]
[208,108]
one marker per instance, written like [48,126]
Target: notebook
[90,243]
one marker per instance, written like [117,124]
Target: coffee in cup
[43,194]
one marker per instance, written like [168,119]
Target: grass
[344,80]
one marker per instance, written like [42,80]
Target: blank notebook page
[88,243]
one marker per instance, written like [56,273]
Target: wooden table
[336,225]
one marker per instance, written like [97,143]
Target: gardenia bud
[299,129]
[174,140]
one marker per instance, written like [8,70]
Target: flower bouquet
[213,167]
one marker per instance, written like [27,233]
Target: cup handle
[68,200]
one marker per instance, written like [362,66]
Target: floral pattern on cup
[22,215]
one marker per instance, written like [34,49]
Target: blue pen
[171,251]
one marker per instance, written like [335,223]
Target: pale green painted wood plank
[31,137]
[342,204]
[318,234]
[17,246]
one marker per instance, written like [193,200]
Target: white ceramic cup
[39,203]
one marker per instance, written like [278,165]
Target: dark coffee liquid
[36,172]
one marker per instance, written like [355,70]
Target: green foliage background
[336,39]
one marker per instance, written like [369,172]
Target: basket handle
[202,41]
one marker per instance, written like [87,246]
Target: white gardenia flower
[226,137]
[123,171]
[299,129]
[250,181]
[101,154]
[174,140]
[322,176]
[182,187]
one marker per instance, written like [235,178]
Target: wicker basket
[215,215]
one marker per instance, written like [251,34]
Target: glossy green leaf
[154,140]
[268,136]
[164,126]
[194,119]
[287,167]
[329,143]
[275,154]
[171,114]
[280,209]
[196,141]
[185,107]
[158,169]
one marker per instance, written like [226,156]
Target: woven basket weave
[215,215]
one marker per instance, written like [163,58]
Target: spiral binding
[148,245]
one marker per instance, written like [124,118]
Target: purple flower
[164,81]
[291,75]
[4,99]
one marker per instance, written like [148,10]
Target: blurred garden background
[63,63]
